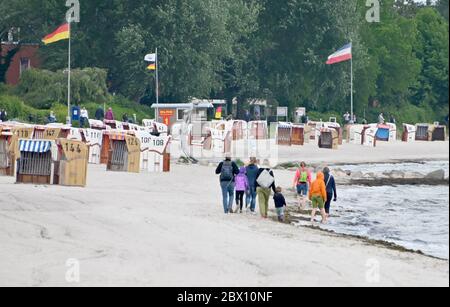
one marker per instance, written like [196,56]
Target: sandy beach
[169,230]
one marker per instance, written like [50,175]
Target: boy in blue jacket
[280,204]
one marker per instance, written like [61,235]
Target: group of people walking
[247,184]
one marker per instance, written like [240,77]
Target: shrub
[13,105]
[42,88]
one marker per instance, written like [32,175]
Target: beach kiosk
[173,113]
[124,152]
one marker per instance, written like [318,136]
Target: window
[24,64]
[180,114]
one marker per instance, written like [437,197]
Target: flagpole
[351,86]
[157,87]
[69,119]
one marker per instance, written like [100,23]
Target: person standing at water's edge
[252,173]
[302,181]
[227,171]
[265,181]
[318,196]
[330,185]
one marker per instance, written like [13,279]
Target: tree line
[269,49]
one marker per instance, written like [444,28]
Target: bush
[42,88]
[13,105]
[3,89]
[410,114]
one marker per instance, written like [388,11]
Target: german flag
[152,66]
[63,32]
[218,113]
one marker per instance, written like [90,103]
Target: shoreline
[282,166]
[294,221]
[367,240]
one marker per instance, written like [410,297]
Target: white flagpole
[69,119]
[351,86]
[157,86]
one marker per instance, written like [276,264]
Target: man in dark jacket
[100,113]
[227,171]
[252,174]
[331,189]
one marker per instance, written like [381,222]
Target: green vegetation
[18,110]
[41,88]
[268,49]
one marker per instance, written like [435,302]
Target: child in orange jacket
[318,197]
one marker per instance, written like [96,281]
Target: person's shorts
[302,189]
[318,202]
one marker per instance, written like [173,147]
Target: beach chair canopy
[35,146]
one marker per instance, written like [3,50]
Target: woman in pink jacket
[109,114]
[242,186]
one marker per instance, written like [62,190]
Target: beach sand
[169,230]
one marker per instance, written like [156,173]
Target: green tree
[432,49]
[391,47]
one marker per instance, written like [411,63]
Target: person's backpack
[303,178]
[265,180]
[227,173]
